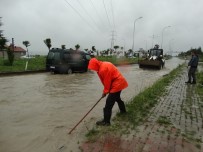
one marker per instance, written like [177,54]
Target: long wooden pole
[84,116]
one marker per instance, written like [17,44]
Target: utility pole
[153,36]
[112,38]
[13,44]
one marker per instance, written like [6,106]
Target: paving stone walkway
[175,124]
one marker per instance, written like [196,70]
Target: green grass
[163,120]
[118,61]
[201,58]
[37,63]
[199,88]
[190,136]
[138,108]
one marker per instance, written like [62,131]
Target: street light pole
[134,32]
[170,49]
[146,45]
[170,44]
[163,34]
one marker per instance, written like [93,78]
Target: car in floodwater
[67,61]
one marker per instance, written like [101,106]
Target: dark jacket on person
[193,61]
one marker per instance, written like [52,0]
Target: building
[18,51]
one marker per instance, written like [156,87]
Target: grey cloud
[36,20]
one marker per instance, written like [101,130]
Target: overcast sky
[95,22]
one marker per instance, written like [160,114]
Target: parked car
[66,61]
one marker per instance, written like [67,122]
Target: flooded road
[37,111]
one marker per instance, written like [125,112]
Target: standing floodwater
[37,111]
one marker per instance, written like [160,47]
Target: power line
[112,10]
[78,13]
[82,16]
[106,13]
[87,12]
[153,36]
[96,10]
[112,39]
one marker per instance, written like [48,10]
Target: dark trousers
[191,74]
[110,101]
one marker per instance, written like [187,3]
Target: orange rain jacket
[111,78]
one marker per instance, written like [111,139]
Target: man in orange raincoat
[113,83]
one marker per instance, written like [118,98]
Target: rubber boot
[106,120]
[123,110]
[193,82]
[189,81]
[121,106]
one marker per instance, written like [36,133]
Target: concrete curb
[21,73]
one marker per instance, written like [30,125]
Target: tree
[116,47]
[63,47]
[48,43]
[107,52]
[0,21]
[3,40]
[188,53]
[122,50]
[199,51]
[2,44]
[10,53]
[130,52]
[93,48]
[26,43]
[10,56]
[77,47]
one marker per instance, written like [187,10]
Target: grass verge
[199,88]
[118,61]
[138,108]
[34,64]
[39,63]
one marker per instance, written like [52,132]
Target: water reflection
[67,85]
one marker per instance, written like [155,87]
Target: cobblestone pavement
[175,124]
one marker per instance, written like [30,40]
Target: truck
[153,59]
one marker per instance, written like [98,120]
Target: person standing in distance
[113,83]
[193,63]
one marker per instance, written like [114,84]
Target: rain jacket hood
[94,64]
[111,78]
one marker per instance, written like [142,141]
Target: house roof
[17,49]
